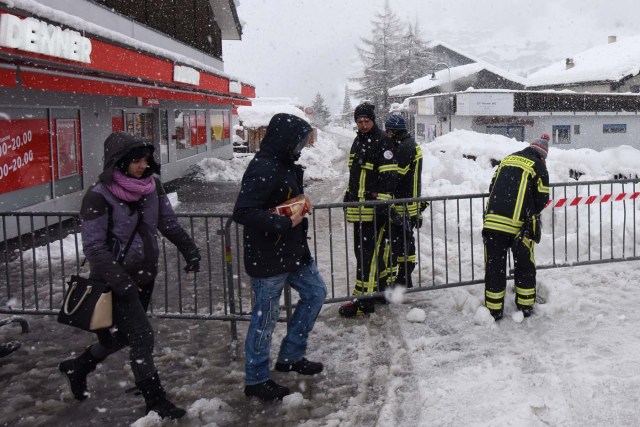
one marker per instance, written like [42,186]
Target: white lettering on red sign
[12,154]
[187,75]
[36,36]
[235,87]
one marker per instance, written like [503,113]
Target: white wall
[591,135]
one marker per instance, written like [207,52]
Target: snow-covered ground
[430,359]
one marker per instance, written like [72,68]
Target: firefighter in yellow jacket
[373,175]
[519,191]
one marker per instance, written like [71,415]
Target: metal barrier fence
[586,223]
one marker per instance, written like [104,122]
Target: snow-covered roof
[259,115]
[442,78]
[609,62]
[435,43]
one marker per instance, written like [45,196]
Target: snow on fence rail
[47,249]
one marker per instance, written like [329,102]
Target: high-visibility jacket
[373,173]
[409,185]
[519,189]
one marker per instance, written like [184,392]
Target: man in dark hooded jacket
[275,252]
[519,191]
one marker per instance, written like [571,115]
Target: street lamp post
[433,77]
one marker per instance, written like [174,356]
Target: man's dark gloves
[532,228]
[193,265]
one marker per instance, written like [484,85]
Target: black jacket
[373,172]
[519,189]
[409,156]
[271,245]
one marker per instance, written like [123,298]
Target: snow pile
[462,162]
[261,111]
[320,162]
[54,251]
[224,170]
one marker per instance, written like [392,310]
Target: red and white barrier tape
[591,200]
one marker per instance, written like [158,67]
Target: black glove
[417,221]
[532,228]
[382,212]
[193,265]
[536,234]
[396,217]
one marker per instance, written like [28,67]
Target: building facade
[574,120]
[72,72]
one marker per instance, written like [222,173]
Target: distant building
[255,118]
[613,67]
[477,75]
[72,72]
[574,120]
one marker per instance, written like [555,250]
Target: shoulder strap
[128,246]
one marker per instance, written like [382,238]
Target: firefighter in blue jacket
[519,191]
[373,174]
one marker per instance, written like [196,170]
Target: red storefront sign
[25,159]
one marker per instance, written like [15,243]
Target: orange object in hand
[291,206]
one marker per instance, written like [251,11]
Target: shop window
[140,124]
[40,155]
[67,159]
[219,127]
[614,128]
[190,132]
[515,132]
[561,134]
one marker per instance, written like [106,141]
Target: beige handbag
[88,305]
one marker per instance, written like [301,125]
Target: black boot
[76,371]
[156,399]
[302,366]
[357,308]
[266,391]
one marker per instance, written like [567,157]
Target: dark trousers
[403,246]
[496,245]
[372,252]
[132,329]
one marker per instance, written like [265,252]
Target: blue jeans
[312,290]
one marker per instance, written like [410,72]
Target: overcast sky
[296,48]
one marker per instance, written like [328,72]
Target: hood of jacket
[283,134]
[116,146]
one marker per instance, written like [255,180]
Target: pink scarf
[130,189]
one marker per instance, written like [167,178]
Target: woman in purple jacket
[128,204]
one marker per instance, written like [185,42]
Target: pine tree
[379,57]
[347,109]
[416,59]
[321,114]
